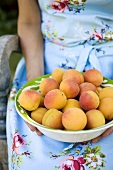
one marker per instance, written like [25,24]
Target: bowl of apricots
[68,105]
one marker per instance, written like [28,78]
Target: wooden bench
[8,44]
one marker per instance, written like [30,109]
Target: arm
[31,40]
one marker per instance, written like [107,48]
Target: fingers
[105,134]
[96,139]
[32,128]
[38,132]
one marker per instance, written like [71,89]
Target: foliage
[8,22]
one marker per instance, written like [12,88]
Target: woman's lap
[28,151]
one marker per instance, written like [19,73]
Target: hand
[105,134]
[30,76]
[32,128]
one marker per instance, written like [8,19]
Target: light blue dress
[77,34]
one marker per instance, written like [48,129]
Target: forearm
[32,47]
[29,31]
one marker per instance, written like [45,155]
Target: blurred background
[8,25]
[8,17]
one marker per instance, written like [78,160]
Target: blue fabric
[77,35]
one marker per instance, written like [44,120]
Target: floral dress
[77,34]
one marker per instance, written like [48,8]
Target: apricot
[94,119]
[74,119]
[70,88]
[70,104]
[41,100]
[55,99]
[106,107]
[106,92]
[48,84]
[89,100]
[57,74]
[86,86]
[98,90]
[29,99]
[73,74]
[93,76]
[53,119]
[37,115]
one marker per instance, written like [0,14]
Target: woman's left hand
[105,134]
[32,128]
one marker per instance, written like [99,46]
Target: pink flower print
[81,160]
[98,35]
[71,165]
[17,141]
[74,164]
[59,5]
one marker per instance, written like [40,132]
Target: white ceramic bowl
[73,136]
[60,135]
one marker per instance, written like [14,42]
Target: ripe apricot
[37,115]
[57,74]
[95,118]
[53,119]
[55,99]
[41,100]
[48,84]
[70,88]
[70,104]
[86,86]
[29,99]
[98,90]
[73,74]
[93,76]
[89,100]
[74,119]
[106,107]
[106,92]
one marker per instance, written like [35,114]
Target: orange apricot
[29,99]
[70,88]
[48,84]
[74,119]
[93,76]
[89,100]
[73,74]
[55,99]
